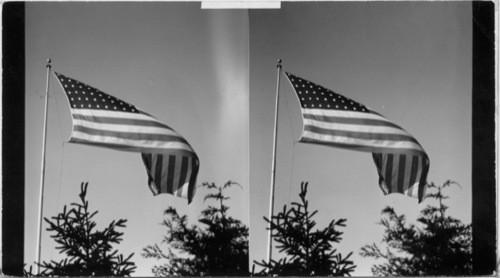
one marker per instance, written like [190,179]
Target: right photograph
[361,139]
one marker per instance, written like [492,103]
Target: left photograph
[136,140]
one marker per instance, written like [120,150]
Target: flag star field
[82,96]
[315,96]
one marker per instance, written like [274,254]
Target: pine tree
[308,252]
[443,246]
[217,247]
[88,251]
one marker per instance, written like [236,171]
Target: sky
[211,75]
[409,61]
[187,67]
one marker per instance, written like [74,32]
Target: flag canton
[82,96]
[314,96]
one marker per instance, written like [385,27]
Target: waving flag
[334,120]
[100,119]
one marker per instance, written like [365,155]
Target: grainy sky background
[186,66]
[211,75]
[410,61]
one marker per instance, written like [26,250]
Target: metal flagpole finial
[48,63]
[279,64]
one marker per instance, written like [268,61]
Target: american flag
[100,119]
[334,120]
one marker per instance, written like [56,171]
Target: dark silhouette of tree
[88,250]
[218,247]
[442,246]
[308,252]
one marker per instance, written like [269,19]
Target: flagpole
[42,178]
[273,170]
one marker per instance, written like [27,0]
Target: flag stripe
[418,172]
[178,173]
[185,190]
[158,173]
[129,135]
[126,128]
[360,134]
[415,166]
[161,180]
[381,129]
[407,174]
[185,185]
[114,114]
[182,176]
[192,180]
[171,172]
[421,173]
[138,144]
[377,158]
[359,144]
[119,121]
[152,184]
[401,174]
[424,169]
[395,173]
[388,172]
[148,162]
[413,172]
[355,147]
[127,148]
[146,159]
[347,114]
[345,119]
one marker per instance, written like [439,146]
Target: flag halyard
[335,120]
[100,119]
